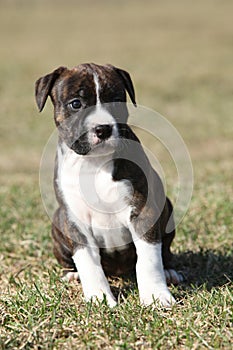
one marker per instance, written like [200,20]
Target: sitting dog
[113,215]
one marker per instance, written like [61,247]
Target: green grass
[180,57]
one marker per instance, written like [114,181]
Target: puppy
[113,216]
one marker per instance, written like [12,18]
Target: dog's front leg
[93,280]
[150,274]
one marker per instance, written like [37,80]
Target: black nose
[103,131]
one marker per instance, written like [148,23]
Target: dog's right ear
[44,86]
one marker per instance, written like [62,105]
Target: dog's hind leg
[63,248]
[172,277]
[63,256]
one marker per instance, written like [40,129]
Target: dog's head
[89,105]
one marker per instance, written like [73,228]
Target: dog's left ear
[44,86]
[128,83]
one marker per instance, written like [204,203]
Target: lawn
[179,55]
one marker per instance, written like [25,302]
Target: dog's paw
[162,297]
[173,277]
[70,276]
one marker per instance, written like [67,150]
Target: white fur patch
[97,88]
[150,274]
[71,276]
[94,283]
[101,116]
[96,204]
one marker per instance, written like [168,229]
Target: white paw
[70,276]
[173,277]
[162,297]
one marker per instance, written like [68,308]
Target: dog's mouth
[81,147]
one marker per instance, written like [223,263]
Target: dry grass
[180,57]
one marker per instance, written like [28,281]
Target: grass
[180,57]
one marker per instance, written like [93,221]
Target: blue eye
[75,104]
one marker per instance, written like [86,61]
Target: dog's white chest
[98,205]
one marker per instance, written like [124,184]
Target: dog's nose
[103,131]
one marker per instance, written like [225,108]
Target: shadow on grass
[206,267]
[212,268]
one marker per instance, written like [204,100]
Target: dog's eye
[75,104]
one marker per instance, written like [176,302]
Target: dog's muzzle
[83,145]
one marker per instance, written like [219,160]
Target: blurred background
[179,54]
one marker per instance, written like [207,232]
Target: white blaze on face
[100,116]
[97,88]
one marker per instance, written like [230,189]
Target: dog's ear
[128,83]
[44,85]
